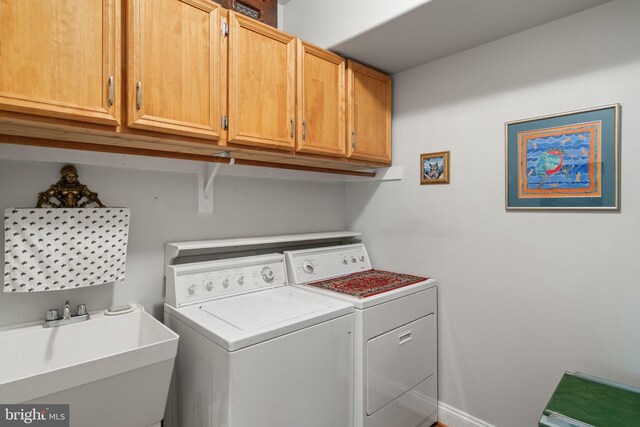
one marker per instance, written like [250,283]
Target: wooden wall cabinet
[261,94]
[61,59]
[321,102]
[262,84]
[174,67]
[368,114]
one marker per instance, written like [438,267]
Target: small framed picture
[564,161]
[434,168]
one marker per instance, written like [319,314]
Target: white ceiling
[440,28]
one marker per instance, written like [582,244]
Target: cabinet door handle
[304,130]
[293,127]
[112,90]
[353,139]
[138,95]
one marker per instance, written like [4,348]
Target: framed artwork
[434,168]
[564,161]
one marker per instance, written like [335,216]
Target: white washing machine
[255,352]
[396,381]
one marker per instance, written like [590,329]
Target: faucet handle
[52,314]
[66,312]
[82,310]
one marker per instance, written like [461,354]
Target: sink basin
[112,370]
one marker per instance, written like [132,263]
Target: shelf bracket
[206,181]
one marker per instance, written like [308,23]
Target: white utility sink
[112,370]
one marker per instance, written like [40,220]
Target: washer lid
[244,320]
[262,309]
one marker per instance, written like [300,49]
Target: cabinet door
[60,58]
[261,85]
[321,101]
[368,114]
[174,72]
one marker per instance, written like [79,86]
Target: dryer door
[399,360]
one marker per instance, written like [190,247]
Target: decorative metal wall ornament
[68,192]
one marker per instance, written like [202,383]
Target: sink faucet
[66,314]
[53,318]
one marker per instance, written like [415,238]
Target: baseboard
[452,417]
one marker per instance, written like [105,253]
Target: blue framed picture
[564,161]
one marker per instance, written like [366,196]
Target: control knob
[353,259]
[268,275]
[209,285]
[241,280]
[308,266]
[225,283]
[361,258]
[191,288]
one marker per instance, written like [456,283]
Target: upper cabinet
[61,58]
[175,67]
[368,114]
[262,81]
[321,102]
[186,77]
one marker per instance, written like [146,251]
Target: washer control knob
[240,280]
[268,275]
[361,258]
[344,260]
[308,266]
[353,259]
[191,288]
[209,285]
[225,283]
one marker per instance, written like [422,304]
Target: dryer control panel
[311,265]
[203,281]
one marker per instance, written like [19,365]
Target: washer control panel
[311,265]
[202,281]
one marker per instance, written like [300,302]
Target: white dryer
[254,351]
[396,332]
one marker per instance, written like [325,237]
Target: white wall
[340,20]
[163,208]
[523,296]
[280,16]
[394,36]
